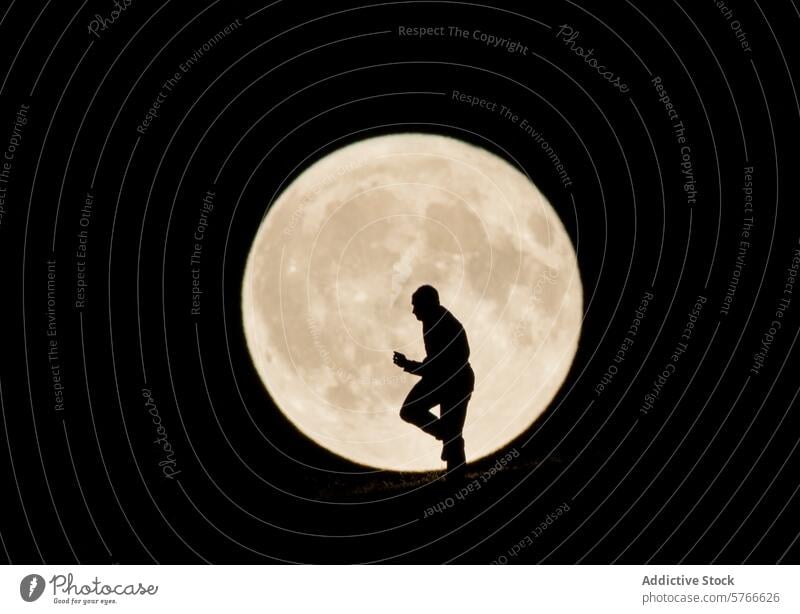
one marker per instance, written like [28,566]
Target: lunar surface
[326,295]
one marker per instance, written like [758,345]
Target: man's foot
[453,450]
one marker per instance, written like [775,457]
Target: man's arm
[409,366]
[447,348]
[415,368]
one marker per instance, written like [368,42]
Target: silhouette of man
[446,380]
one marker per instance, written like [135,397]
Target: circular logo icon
[31,587]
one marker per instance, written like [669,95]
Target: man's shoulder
[444,322]
[450,319]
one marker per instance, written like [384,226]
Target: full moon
[326,294]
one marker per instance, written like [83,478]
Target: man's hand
[400,360]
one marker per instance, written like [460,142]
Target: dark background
[709,474]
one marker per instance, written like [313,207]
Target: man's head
[425,302]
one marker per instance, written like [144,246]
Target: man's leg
[417,408]
[454,413]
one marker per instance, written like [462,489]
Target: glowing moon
[326,295]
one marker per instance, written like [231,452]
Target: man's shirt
[446,347]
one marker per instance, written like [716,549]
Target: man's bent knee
[407,414]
